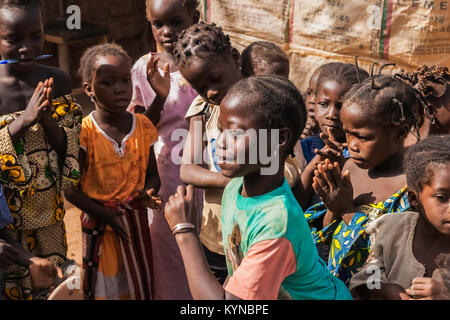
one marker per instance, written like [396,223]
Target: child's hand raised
[38,104]
[332,150]
[179,208]
[423,288]
[150,199]
[161,85]
[335,189]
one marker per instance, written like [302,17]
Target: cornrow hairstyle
[202,40]
[344,73]
[191,5]
[87,61]
[261,54]
[428,81]
[386,100]
[278,102]
[422,159]
[22,4]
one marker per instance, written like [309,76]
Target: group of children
[362,182]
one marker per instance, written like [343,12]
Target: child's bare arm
[91,207]
[153,180]
[191,171]
[149,196]
[202,283]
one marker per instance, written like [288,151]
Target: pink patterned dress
[169,273]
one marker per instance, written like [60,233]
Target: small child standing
[211,65]
[161,92]
[119,181]
[411,250]
[269,250]
[38,142]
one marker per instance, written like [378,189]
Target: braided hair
[344,73]
[191,5]
[428,81]
[261,54]
[422,159]
[87,61]
[278,103]
[202,40]
[386,100]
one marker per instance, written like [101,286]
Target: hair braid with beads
[202,40]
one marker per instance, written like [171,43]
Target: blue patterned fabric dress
[5,215]
[349,244]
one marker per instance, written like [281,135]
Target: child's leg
[112,282]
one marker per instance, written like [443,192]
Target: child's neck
[430,237]
[257,184]
[166,57]
[113,119]
[390,167]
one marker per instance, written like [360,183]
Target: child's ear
[87,87]
[285,139]
[237,58]
[196,17]
[413,199]
[402,133]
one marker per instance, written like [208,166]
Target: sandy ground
[73,229]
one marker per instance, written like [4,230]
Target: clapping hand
[160,84]
[334,188]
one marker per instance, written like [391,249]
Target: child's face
[442,108]
[234,120]
[327,107]
[169,18]
[21,36]
[369,143]
[434,200]
[311,92]
[212,78]
[112,84]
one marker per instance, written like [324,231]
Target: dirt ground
[73,229]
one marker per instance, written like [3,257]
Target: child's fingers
[189,193]
[320,179]
[420,280]
[334,172]
[346,180]
[150,64]
[330,134]
[318,189]
[327,168]
[166,70]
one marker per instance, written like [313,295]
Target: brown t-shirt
[391,238]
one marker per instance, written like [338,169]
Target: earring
[92,99]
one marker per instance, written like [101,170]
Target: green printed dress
[33,177]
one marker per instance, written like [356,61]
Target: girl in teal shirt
[268,245]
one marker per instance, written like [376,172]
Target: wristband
[182,227]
